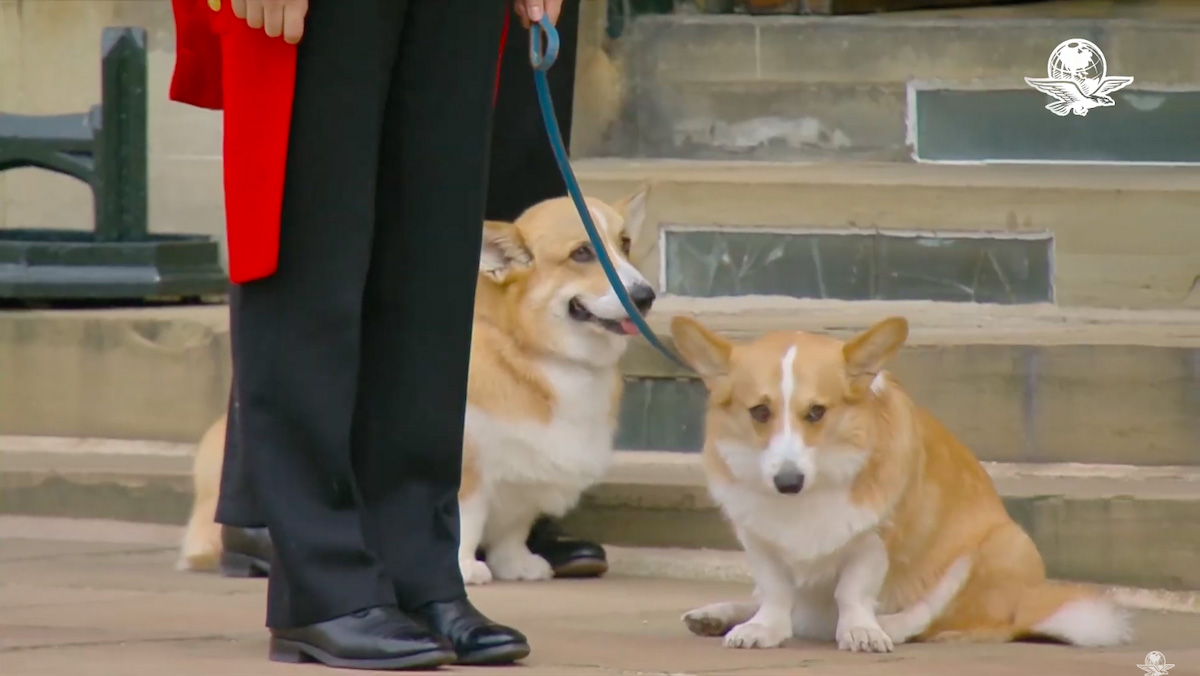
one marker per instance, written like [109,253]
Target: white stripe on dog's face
[787,449]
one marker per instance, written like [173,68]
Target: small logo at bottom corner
[1155,664]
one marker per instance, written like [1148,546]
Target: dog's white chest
[569,453]
[808,532]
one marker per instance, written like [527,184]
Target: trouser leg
[237,505]
[299,331]
[418,307]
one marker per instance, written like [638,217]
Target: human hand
[531,11]
[275,17]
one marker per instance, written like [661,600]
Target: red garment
[258,113]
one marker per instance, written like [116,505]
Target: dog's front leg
[859,582]
[776,590]
[472,516]
[508,554]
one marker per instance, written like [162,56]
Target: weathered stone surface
[1017,383]
[739,87]
[1123,236]
[1112,525]
[128,607]
[125,374]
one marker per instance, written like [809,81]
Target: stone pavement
[80,598]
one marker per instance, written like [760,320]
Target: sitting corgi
[545,387]
[543,393]
[863,519]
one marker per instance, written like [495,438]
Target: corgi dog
[201,548]
[544,388]
[862,518]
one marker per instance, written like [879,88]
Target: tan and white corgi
[201,549]
[863,519]
[544,388]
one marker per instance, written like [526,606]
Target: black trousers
[522,173]
[352,359]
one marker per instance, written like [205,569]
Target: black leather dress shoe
[375,638]
[246,552]
[568,556]
[476,639]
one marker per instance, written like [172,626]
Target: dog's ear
[867,353]
[503,252]
[702,349]
[633,209]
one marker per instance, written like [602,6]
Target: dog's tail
[1058,611]
[1071,614]
[201,548]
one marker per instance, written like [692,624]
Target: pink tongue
[629,327]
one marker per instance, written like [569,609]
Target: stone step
[1015,383]
[1116,525]
[1082,235]
[784,88]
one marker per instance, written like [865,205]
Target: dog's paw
[897,626]
[475,572]
[520,566]
[715,619]
[864,638]
[755,635]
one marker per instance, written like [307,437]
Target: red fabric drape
[257,104]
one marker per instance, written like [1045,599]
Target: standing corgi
[863,519]
[545,386]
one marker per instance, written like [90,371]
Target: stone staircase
[816,174]
[822,173]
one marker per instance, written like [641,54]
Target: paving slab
[108,602]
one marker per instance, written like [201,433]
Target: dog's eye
[626,245]
[760,413]
[815,413]
[583,254]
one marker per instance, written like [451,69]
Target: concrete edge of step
[700,565]
[709,565]
[631,470]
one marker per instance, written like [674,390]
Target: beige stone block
[1116,404]
[58,57]
[72,375]
[976,391]
[36,198]
[175,129]
[187,196]
[1129,280]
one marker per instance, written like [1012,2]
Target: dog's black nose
[789,481]
[643,297]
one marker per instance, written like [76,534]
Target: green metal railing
[106,147]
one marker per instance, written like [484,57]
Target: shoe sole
[234,564]
[293,652]
[582,568]
[503,654]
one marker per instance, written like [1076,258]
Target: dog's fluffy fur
[544,386]
[863,519]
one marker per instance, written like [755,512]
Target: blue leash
[541,62]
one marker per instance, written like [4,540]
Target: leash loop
[541,62]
